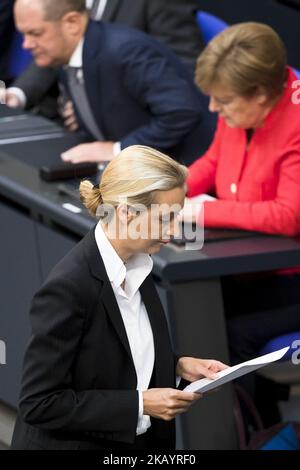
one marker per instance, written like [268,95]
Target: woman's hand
[191,368]
[167,403]
[193,207]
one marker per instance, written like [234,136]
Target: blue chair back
[291,339]
[19,57]
[210,25]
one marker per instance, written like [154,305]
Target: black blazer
[79,380]
[7,31]
[171,21]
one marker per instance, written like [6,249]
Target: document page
[204,385]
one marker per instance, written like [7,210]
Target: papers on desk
[204,385]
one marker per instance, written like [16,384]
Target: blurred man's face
[50,42]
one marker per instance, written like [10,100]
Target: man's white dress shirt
[18,92]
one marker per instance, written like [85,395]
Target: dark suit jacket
[79,380]
[140,93]
[171,21]
[7,30]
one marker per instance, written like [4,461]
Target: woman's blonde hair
[244,58]
[134,175]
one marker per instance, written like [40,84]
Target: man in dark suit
[126,87]
[170,21]
[6,34]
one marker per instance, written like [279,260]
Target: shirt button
[233,188]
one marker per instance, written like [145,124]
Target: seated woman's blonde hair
[244,58]
[134,175]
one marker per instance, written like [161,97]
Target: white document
[204,385]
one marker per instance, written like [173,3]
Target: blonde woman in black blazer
[82,367]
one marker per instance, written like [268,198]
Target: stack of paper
[204,385]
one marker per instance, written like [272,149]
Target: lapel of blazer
[110,9]
[107,295]
[156,316]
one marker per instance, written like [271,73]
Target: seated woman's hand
[191,368]
[167,403]
[193,206]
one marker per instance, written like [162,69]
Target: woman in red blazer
[253,170]
[253,164]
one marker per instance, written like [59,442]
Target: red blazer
[257,188]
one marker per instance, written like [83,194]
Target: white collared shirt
[133,312]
